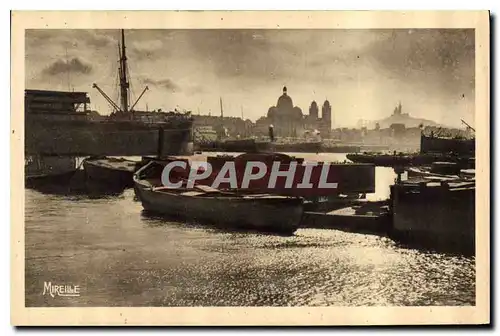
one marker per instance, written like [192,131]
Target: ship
[434,147]
[62,123]
[436,213]
[299,147]
[310,143]
[463,145]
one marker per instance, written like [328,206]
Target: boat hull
[304,147]
[244,146]
[385,160]
[418,172]
[40,181]
[436,217]
[97,173]
[97,138]
[281,215]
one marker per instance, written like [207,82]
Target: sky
[363,73]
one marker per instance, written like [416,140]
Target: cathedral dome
[284,102]
[272,112]
[297,113]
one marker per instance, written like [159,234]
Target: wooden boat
[299,147]
[413,159]
[109,171]
[264,212]
[351,178]
[436,213]
[244,145]
[426,172]
[446,170]
[367,218]
[340,149]
[46,170]
[378,159]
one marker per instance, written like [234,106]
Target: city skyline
[363,73]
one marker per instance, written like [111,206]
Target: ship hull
[435,217]
[96,138]
[305,147]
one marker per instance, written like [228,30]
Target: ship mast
[221,111]
[124,85]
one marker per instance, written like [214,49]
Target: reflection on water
[121,257]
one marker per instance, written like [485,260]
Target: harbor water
[119,256]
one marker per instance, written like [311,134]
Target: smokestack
[271,133]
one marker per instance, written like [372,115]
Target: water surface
[121,257]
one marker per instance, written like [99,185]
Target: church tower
[326,119]
[326,114]
[313,110]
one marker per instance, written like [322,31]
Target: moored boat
[299,147]
[446,170]
[244,145]
[110,171]
[263,212]
[434,213]
[349,178]
[40,170]
[408,159]
[427,172]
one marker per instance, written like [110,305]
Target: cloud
[440,57]
[430,70]
[98,40]
[75,65]
[195,89]
[165,83]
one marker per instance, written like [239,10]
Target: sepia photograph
[236,159]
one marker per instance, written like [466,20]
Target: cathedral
[289,121]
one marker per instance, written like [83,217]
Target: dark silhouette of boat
[413,159]
[433,148]
[110,171]
[43,170]
[243,145]
[438,144]
[263,212]
[340,148]
[299,147]
[352,178]
[389,160]
[434,213]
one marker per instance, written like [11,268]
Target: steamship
[61,125]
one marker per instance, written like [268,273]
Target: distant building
[232,127]
[398,117]
[204,134]
[289,121]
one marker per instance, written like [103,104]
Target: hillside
[401,118]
